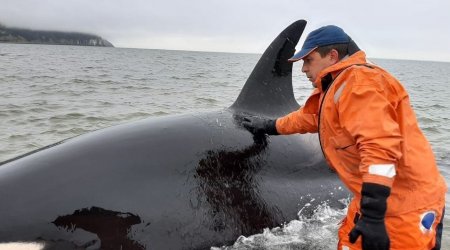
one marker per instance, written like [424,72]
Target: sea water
[49,93]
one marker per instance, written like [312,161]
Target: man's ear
[334,56]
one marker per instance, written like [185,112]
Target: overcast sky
[399,29]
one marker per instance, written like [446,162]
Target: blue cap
[323,36]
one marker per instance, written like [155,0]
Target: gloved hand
[373,233]
[371,225]
[260,125]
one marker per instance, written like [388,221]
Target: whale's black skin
[177,182]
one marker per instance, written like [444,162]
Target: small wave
[136,115]
[95,119]
[15,112]
[159,113]
[198,75]
[426,120]
[43,78]
[105,103]
[206,100]
[77,80]
[107,82]
[19,137]
[181,78]
[439,106]
[72,132]
[63,117]
[38,109]
[431,129]
[74,115]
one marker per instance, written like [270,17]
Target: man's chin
[312,82]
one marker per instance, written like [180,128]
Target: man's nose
[304,68]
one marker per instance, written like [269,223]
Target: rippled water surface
[49,93]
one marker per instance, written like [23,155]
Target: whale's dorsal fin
[268,90]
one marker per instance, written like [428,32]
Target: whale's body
[176,182]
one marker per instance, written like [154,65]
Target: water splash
[318,231]
[22,246]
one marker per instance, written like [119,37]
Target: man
[370,136]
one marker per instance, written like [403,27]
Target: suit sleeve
[304,120]
[366,112]
[297,122]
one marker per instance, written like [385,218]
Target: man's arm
[303,120]
[297,122]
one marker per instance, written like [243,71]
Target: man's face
[314,63]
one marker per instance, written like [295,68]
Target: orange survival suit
[369,133]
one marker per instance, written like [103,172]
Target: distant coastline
[28,36]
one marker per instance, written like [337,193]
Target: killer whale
[188,181]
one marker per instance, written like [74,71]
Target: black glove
[371,225]
[260,126]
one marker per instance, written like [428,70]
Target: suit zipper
[320,110]
[320,118]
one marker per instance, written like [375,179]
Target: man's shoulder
[375,78]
